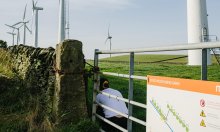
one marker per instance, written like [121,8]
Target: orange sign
[206,87]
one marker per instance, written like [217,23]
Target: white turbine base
[195,57]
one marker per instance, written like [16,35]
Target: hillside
[152,58]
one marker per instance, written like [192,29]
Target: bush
[3,44]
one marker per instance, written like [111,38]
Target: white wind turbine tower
[18,32]
[62,20]
[198,31]
[35,11]
[13,37]
[110,40]
[24,25]
[67,28]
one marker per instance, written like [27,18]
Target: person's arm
[98,98]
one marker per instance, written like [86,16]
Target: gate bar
[124,115]
[175,47]
[111,123]
[124,75]
[124,99]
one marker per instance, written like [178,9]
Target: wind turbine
[18,32]
[35,11]
[62,20]
[24,25]
[109,37]
[67,11]
[13,37]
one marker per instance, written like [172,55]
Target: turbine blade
[33,8]
[9,33]
[21,26]
[28,29]
[24,12]
[16,24]
[33,4]
[106,40]
[36,3]
[108,30]
[9,26]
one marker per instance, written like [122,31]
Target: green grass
[179,70]
[152,58]
[13,123]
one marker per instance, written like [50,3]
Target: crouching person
[113,103]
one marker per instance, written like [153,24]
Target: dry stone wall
[54,81]
[35,68]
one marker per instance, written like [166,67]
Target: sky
[133,23]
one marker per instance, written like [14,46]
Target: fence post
[130,93]
[204,65]
[96,84]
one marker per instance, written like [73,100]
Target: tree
[3,44]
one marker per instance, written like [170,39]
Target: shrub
[3,44]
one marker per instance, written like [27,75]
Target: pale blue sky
[133,23]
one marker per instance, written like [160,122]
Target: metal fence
[202,46]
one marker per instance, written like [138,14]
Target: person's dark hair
[104,83]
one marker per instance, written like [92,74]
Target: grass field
[152,58]
[179,69]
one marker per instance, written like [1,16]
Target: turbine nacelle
[35,6]
[38,8]
[109,37]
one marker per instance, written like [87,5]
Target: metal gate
[202,46]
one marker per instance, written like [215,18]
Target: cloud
[100,4]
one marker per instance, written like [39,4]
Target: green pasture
[150,58]
[178,69]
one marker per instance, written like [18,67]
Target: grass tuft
[6,63]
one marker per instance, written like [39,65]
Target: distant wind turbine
[18,32]
[35,11]
[62,20]
[13,37]
[109,37]
[24,25]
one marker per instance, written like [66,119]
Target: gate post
[96,84]
[130,94]
[69,102]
